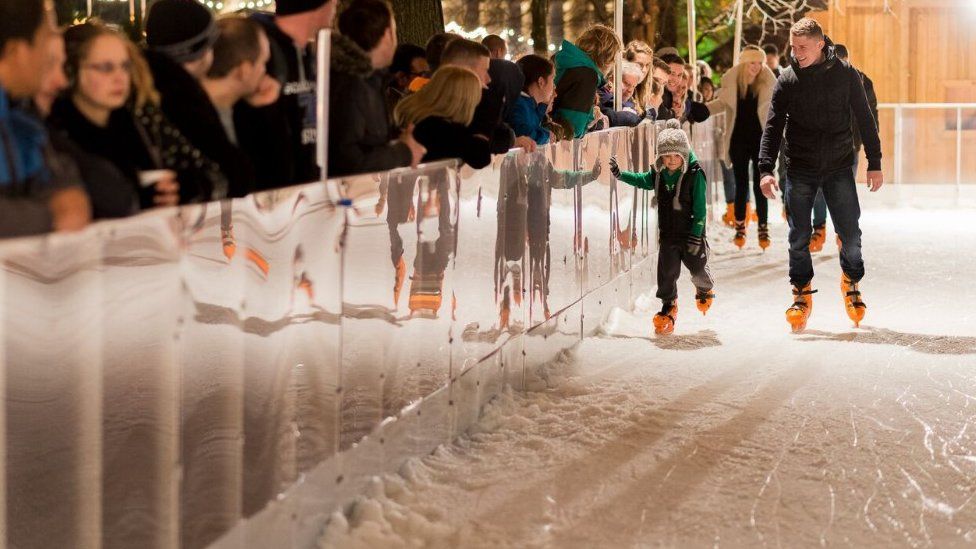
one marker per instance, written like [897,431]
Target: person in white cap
[678,182]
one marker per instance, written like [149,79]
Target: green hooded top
[577,80]
[670,179]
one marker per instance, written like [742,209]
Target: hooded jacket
[577,80]
[280,138]
[727,101]
[815,106]
[359,125]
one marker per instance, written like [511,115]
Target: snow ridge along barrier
[229,373]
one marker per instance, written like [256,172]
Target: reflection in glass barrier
[189,368]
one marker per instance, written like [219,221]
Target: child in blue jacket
[529,114]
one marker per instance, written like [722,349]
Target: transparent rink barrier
[228,374]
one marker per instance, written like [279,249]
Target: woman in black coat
[440,114]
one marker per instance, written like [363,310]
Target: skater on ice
[814,100]
[678,182]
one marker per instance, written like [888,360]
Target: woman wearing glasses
[111,110]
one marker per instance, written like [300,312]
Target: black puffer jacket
[359,129]
[815,105]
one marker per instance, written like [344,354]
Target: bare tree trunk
[667,26]
[579,17]
[514,21]
[556,18]
[472,14]
[601,12]
[640,19]
[418,20]
[540,36]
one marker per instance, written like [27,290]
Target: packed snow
[733,431]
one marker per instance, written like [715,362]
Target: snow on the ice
[732,431]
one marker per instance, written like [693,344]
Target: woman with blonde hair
[745,95]
[581,70]
[440,114]
[641,53]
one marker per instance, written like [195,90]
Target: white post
[618,76]
[958,147]
[737,47]
[323,65]
[90,8]
[899,127]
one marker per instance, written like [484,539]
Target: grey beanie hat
[672,140]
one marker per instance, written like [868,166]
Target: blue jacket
[22,142]
[526,118]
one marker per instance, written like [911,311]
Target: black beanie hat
[291,7]
[183,30]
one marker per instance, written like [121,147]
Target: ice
[733,431]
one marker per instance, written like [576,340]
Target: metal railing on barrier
[228,373]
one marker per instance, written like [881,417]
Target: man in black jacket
[814,99]
[502,81]
[359,128]
[681,105]
[281,137]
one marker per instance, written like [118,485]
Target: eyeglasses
[108,67]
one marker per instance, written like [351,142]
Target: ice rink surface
[732,432]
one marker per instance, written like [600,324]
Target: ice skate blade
[856,314]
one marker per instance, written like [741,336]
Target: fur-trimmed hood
[349,58]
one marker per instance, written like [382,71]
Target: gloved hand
[696,246]
[614,168]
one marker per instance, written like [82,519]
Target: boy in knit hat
[678,183]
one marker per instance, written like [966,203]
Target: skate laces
[666,311]
[703,297]
[854,294]
[800,303]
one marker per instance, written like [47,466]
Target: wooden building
[916,51]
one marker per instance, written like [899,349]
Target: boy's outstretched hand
[614,167]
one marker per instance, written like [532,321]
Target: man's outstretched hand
[769,187]
[875,180]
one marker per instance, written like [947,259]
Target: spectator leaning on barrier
[442,112]
[180,37]
[33,200]
[502,81]
[580,72]
[110,193]
[529,113]
[640,52]
[104,80]
[238,73]
[359,128]
[627,116]
[676,95]
[281,137]
[660,72]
